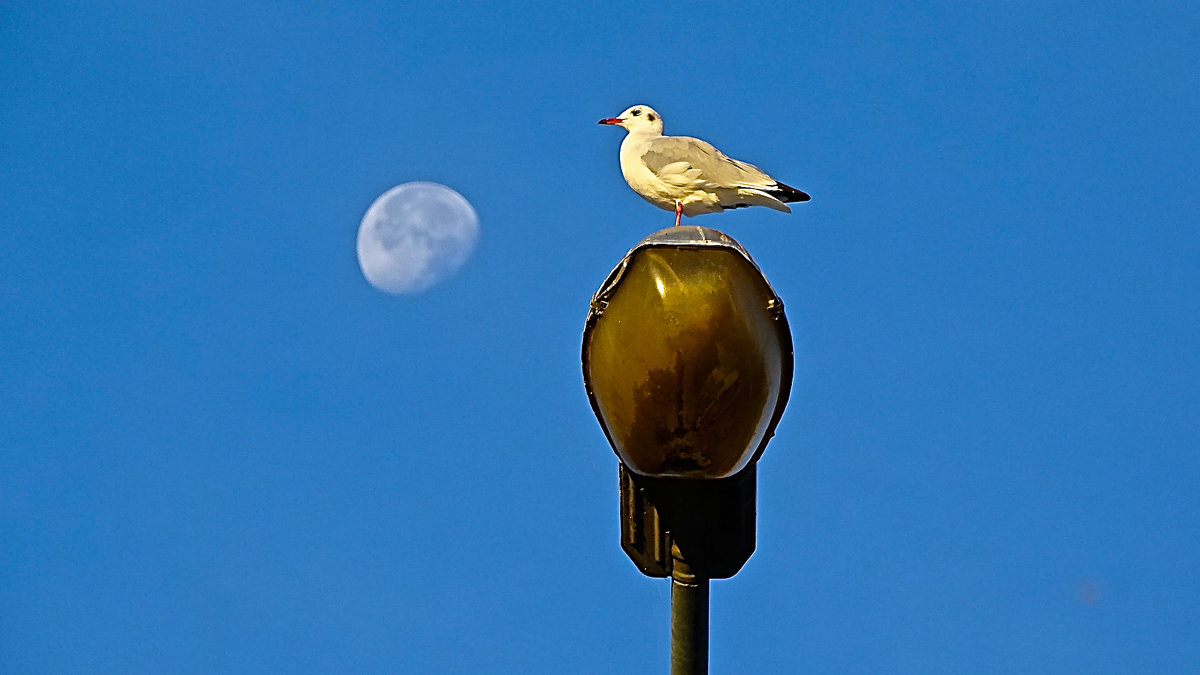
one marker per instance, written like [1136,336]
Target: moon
[415,235]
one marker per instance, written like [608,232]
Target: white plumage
[687,175]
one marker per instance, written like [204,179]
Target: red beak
[610,120]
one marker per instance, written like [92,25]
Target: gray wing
[682,160]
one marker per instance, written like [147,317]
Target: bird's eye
[650,117]
[637,112]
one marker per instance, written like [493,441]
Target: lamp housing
[687,356]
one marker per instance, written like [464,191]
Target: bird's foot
[678,212]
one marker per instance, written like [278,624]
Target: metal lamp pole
[689,621]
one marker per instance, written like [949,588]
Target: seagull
[688,175]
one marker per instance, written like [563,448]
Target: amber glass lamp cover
[687,356]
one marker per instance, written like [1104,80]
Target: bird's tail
[787,193]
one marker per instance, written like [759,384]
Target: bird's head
[638,118]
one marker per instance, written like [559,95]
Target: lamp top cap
[691,235]
[683,236]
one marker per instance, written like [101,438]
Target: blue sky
[221,450]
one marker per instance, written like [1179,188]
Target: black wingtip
[788,194]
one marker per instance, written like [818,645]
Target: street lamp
[687,362]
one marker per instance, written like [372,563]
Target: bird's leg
[678,211]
